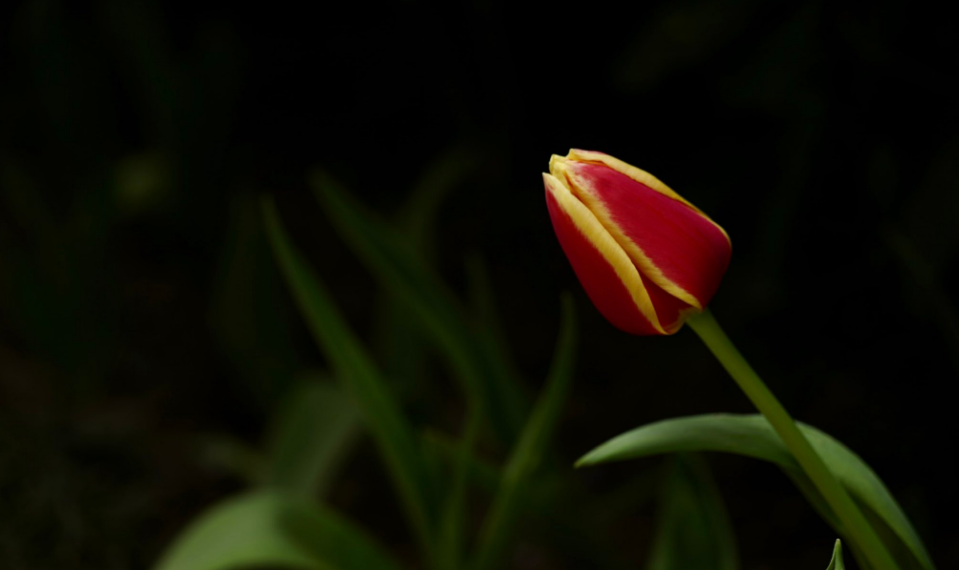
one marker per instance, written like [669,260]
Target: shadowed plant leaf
[249,314]
[352,366]
[491,345]
[530,450]
[751,435]
[227,453]
[402,347]
[453,522]
[693,529]
[312,432]
[447,450]
[402,271]
[272,529]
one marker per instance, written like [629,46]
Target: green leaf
[530,450]
[694,529]
[334,539]
[267,528]
[555,505]
[454,512]
[314,428]
[352,366]
[503,380]
[249,314]
[447,450]
[751,435]
[836,562]
[403,272]
[402,347]
[227,453]
[237,533]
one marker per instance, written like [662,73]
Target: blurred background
[147,337]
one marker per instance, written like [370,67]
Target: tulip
[647,258]
[650,261]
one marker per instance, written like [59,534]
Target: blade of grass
[402,271]
[447,450]
[694,529]
[553,504]
[503,379]
[355,369]
[455,512]
[530,450]
[403,349]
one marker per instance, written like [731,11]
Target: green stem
[852,519]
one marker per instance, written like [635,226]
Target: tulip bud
[647,258]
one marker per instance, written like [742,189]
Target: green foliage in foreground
[285,521]
[284,524]
[752,436]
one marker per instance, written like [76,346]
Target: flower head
[647,258]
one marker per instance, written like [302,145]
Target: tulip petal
[672,311]
[611,280]
[637,174]
[673,243]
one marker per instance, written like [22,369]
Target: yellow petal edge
[638,175]
[558,165]
[582,189]
[600,238]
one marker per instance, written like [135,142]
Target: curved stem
[852,519]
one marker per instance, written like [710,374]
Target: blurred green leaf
[234,456]
[334,539]
[530,450]
[272,529]
[448,450]
[403,348]
[455,511]
[240,532]
[356,370]
[553,505]
[751,435]
[249,314]
[693,529]
[316,424]
[836,563]
[503,379]
[402,271]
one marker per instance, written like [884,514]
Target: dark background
[140,310]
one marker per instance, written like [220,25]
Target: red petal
[597,274]
[672,312]
[683,244]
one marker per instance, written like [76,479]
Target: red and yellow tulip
[647,258]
